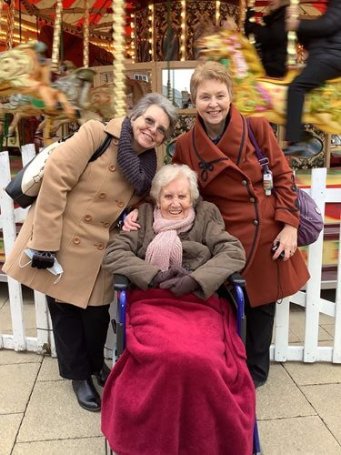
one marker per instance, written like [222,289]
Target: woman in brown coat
[68,227]
[182,385]
[218,148]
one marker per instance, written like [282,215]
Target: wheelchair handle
[121,282]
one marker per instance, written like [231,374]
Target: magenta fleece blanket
[182,386]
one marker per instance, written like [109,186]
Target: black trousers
[80,336]
[259,327]
[312,76]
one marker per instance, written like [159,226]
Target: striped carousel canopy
[31,15]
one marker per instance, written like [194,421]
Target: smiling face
[150,128]
[213,104]
[175,199]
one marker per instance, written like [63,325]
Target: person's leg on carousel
[312,76]
[74,361]
[259,327]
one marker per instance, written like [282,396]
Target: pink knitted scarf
[166,249]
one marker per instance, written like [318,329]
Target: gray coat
[209,252]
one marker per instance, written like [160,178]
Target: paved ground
[299,409]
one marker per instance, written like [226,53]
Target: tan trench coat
[75,214]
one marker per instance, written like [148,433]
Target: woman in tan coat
[70,224]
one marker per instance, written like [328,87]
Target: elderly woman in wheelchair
[182,385]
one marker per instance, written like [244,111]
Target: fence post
[313,292]
[337,331]
[9,235]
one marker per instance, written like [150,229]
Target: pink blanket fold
[182,386]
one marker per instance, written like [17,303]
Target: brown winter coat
[75,214]
[234,183]
[209,251]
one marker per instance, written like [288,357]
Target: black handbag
[25,186]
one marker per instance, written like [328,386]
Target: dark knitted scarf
[139,170]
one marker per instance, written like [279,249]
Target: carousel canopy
[31,15]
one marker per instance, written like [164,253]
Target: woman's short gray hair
[171,172]
[159,100]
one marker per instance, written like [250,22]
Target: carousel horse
[74,86]
[98,103]
[258,95]
[102,103]
[24,70]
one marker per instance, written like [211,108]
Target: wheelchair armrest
[121,282]
[236,279]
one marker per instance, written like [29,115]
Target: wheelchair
[233,291]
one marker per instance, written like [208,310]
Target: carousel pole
[242,14]
[86,34]
[119,105]
[292,38]
[1,5]
[56,36]
[10,22]
[249,4]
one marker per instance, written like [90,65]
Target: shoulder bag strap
[263,160]
[102,148]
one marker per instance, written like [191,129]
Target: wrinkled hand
[43,259]
[180,285]
[130,221]
[173,271]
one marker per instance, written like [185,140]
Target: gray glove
[173,271]
[181,285]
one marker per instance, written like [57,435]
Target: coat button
[112,168]
[244,182]
[102,195]
[100,246]
[87,218]
[252,199]
[255,222]
[76,240]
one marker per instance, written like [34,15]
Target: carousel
[64,62]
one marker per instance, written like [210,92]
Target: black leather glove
[173,271]
[42,259]
[180,285]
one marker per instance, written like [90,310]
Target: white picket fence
[281,350]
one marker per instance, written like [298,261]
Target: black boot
[102,375]
[305,149]
[87,396]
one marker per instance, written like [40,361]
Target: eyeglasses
[151,123]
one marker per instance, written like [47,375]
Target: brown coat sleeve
[122,255]
[227,253]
